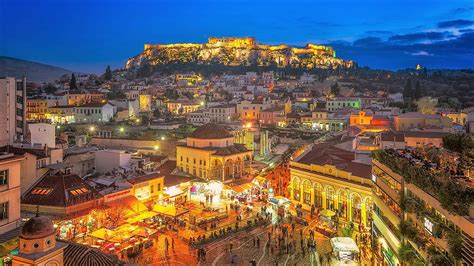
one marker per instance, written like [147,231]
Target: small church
[38,246]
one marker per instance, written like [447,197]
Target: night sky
[88,35]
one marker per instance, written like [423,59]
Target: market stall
[345,249]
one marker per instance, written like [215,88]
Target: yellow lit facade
[210,153]
[147,187]
[327,187]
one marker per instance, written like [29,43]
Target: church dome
[210,131]
[37,227]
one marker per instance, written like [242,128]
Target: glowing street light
[122,129]
[202,103]
[138,120]
[58,126]
[155,147]
[92,128]
[162,138]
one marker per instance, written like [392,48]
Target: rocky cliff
[238,54]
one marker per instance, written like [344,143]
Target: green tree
[426,105]
[50,89]
[408,90]
[72,82]
[171,94]
[108,73]
[418,92]
[335,89]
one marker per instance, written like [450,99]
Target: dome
[210,131]
[37,227]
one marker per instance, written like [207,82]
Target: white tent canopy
[345,244]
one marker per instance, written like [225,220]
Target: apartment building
[13,106]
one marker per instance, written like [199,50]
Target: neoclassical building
[329,178]
[210,153]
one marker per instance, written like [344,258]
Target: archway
[216,169]
[228,169]
[318,195]
[329,197]
[342,196]
[296,189]
[307,192]
[368,210]
[356,201]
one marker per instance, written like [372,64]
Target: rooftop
[210,131]
[326,153]
[60,191]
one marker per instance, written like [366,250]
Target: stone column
[323,194]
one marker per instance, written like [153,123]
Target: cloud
[455,52]
[458,23]
[421,37]
[462,10]
[421,53]
[378,32]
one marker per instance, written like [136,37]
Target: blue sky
[88,35]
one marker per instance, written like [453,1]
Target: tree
[335,89]
[50,89]
[418,92]
[72,82]
[108,73]
[426,105]
[408,90]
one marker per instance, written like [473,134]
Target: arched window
[296,189]
[330,198]
[356,206]
[342,208]
[306,192]
[318,195]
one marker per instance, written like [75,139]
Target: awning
[344,244]
[327,213]
[142,216]
[169,210]
[132,205]
[102,233]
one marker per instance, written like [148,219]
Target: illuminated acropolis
[234,51]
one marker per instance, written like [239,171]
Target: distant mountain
[33,71]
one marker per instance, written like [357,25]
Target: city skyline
[86,36]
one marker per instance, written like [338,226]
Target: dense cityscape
[233,151]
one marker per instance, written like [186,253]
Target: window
[41,191]
[158,187]
[152,189]
[4,177]
[4,211]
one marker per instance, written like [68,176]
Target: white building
[396,97]
[12,110]
[43,134]
[94,113]
[108,160]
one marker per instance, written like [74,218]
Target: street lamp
[91,129]
[162,138]
[122,129]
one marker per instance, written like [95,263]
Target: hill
[230,51]
[33,71]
